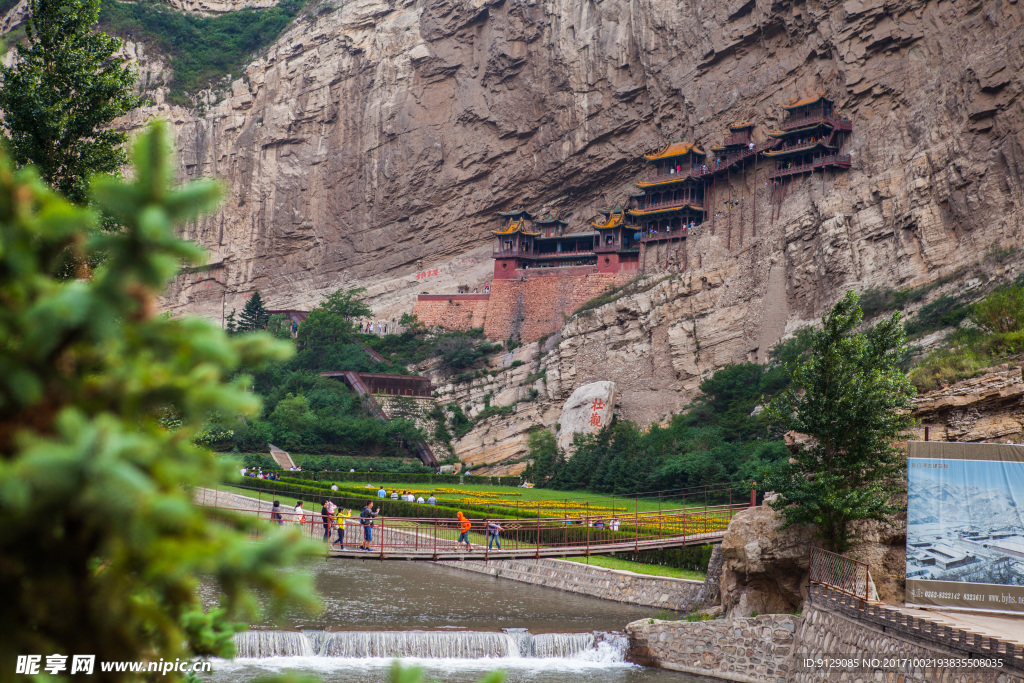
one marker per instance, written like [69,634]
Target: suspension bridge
[437,538]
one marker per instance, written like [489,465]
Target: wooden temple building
[685,188]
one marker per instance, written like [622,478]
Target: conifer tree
[101,400]
[254,315]
[230,323]
[850,395]
[61,94]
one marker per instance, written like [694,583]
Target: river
[457,625]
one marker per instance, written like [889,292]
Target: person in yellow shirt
[339,518]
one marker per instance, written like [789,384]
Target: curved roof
[806,101]
[550,218]
[668,180]
[513,227]
[674,149]
[516,213]
[741,126]
[667,209]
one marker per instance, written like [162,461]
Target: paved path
[1003,627]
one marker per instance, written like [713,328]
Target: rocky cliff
[374,141]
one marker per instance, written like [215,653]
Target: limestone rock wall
[376,139]
[988,408]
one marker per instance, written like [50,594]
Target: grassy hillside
[201,50]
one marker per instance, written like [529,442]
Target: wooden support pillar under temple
[753,217]
[728,233]
[743,193]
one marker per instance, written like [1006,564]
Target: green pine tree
[230,323]
[851,397]
[60,96]
[101,400]
[254,315]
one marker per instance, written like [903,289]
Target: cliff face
[374,142]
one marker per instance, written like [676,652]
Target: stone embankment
[599,582]
[774,648]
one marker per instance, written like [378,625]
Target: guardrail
[841,573]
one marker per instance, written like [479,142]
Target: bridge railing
[584,534]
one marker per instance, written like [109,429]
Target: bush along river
[458,625]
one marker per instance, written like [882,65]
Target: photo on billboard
[965,526]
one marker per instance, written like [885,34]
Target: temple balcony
[783,150]
[613,248]
[832,161]
[666,178]
[663,236]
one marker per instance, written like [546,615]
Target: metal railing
[831,160]
[843,574]
[843,124]
[435,538]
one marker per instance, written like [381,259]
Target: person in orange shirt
[464,526]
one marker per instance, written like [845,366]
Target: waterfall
[260,644]
[513,643]
[547,645]
[423,644]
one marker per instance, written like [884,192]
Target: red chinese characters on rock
[595,418]
[426,273]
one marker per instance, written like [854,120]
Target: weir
[510,643]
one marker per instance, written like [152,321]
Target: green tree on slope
[101,543]
[61,95]
[850,396]
[254,314]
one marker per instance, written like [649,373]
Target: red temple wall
[452,311]
[537,302]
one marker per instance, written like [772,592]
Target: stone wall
[774,647]
[741,649]
[537,303]
[452,311]
[609,584]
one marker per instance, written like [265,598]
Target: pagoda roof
[516,213]
[550,218]
[668,209]
[741,126]
[613,220]
[674,149]
[665,180]
[718,147]
[806,101]
[813,125]
[513,227]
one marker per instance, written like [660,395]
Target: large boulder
[586,411]
[765,569]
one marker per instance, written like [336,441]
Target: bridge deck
[450,551]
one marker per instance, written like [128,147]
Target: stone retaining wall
[772,648]
[609,584]
[743,649]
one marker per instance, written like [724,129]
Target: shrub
[1001,311]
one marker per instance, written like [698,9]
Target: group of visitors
[596,522]
[258,473]
[406,496]
[492,531]
[378,327]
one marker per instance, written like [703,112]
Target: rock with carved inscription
[587,411]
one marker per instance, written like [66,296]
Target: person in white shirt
[420,500]
[394,495]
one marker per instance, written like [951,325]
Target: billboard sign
[965,526]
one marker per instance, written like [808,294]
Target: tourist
[243,471]
[568,522]
[432,500]
[487,289]
[394,495]
[325,520]
[420,499]
[614,524]
[300,514]
[339,517]
[334,487]
[382,493]
[366,520]
[599,524]
[464,526]
[493,529]
[275,514]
